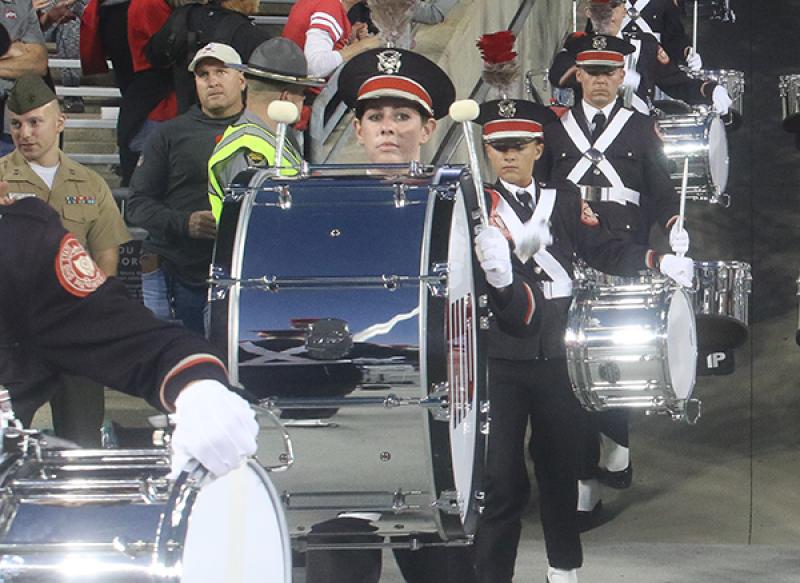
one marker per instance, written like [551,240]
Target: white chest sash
[640,22]
[561,284]
[619,193]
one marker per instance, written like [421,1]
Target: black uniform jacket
[636,154]
[577,233]
[663,17]
[654,65]
[58,313]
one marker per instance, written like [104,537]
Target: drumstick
[694,27]
[684,185]
[284,113]
[463,112]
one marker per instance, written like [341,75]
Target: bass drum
[699,135]
[353,299]
[632,347]
[111,516]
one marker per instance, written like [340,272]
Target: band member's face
[617,16]
[514,164]
[600,89]
[393,133]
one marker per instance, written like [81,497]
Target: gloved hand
[722,101]
[694,61]
[679,240]
[214,426]
[534,237]
[632,79]
[494,255]
[680,269]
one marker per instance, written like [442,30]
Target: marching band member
[61,312]
[528,377]
[663,20]
[600,143]
[397,96]
[647,66]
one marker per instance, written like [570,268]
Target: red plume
[500,66]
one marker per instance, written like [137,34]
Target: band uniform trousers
[539,391]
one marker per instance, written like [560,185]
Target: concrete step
[90,147]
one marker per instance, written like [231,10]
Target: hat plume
[500,65]
[393,19]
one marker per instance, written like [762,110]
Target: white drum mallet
[284,113]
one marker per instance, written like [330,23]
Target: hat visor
[254,71]
[508,143]
[600,69]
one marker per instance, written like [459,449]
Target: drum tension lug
[437,286]
[438,401]
[400,199]
[285,198]
[448,502]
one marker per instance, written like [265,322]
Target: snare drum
[789,89]
[112,516]
[700,136]
[721,300]
[632,347]
[730,79]
[357,294]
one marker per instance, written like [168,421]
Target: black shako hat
[513,121]
[599,52]
[400,74]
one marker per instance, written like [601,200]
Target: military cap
[29,92]
[400,74]
[599,51]
[513,121]
[278,59]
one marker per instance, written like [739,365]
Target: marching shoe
[617,480]
[561,576]
[589,504]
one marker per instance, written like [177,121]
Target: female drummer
[528,377]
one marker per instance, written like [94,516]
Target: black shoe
[589,519]
[617,480]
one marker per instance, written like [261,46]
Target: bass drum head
[681,344]
[462,367]
[237,532]
[718,160]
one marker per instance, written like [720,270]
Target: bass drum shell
[632,347]
[111,516]
[358,327]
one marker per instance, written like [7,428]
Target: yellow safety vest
[246,136]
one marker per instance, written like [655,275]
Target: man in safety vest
[277,70]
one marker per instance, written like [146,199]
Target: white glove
[214,426]
[722,101]
[535,236]
[680,269]
[493,252]
[678,240]
[632,79]
[694,61]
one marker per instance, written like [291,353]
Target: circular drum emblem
[76,270]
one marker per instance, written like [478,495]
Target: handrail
[454,135]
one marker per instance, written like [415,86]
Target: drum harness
[560,285]
[595,155]
[634,14]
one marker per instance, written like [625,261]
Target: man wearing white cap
[168,190]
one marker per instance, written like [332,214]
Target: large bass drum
[698,134]
[632,346]
[111,516]
[352,299]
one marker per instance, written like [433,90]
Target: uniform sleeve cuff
[192,368]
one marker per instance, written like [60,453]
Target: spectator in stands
[60,22]
[104,35]
[26,53]
[430,12]
[150,99]
[193,26]
[169,191]
[277,70]
[322,30]
[84,202]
